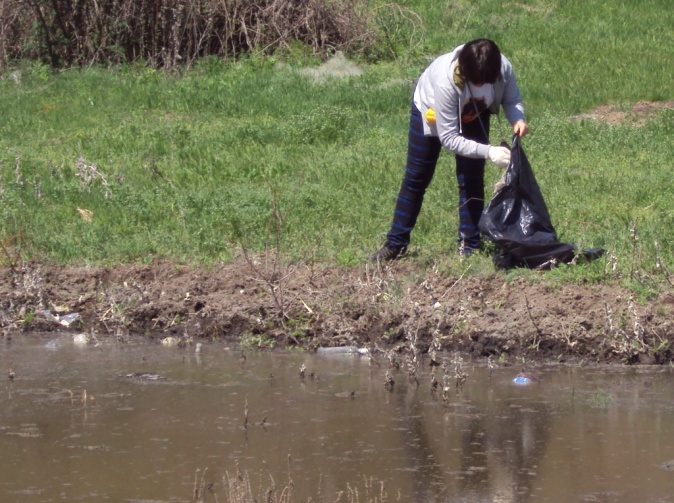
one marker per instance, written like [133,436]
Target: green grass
[191,167]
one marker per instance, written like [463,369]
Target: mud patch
[405,308]
[616,115]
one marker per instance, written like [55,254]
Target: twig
[455,283]
[538,330]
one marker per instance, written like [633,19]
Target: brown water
[576,434]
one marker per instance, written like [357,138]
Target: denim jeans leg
[422,157]
[470,179]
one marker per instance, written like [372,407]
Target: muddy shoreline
[400,309]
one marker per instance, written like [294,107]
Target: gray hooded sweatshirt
[440,88]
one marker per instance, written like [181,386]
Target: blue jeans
[422,157]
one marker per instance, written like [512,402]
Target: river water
[139,422]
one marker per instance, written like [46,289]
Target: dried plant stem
[537,340]
[177,32]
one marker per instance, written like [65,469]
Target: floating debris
[524,378]
[170,341]
[68,319]
[490,365]
[26,431]
[342,350]
[25,434]
[389,381]
[65,320]
[84,339]
[53,344]
[346,394]
[11,375]
[668,465]
[80,339]
[95,447]
[144,376]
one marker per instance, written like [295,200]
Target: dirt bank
[394,308]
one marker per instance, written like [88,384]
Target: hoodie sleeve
[448,120]
[512,100]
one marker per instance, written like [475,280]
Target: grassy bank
[107,166]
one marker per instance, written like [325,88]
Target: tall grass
[190,166]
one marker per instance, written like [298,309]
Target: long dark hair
[480,61]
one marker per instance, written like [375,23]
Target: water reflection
[135,422]
[485,444]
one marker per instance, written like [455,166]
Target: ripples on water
[136,422]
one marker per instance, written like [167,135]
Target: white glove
[499,156]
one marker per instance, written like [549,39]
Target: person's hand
[520,128]
[499,156]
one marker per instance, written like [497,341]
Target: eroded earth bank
[399,309]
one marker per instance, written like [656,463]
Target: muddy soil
[393,308]
[637,115]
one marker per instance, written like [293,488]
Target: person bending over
[452,102]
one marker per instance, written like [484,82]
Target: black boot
[388,252]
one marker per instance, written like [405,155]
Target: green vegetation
[260,153]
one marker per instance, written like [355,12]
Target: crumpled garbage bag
[517,221]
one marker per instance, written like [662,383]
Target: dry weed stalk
[372,493]
[455,283]
[239,489]
[389,382]
[88,174]
[621,341]
[18,176]
[168,33]
[491,365]
[382,285]
[446,383]
[273,275]
[437,336]
[611,264]
[539,337]
[120,301]
[434,383]
[412,335]
[660,267]
[199,492]
[376,349]
[568,334]
[245,413]
[459,375]
[436,344]
[84,398]
[27,280]
[7,325]
[398,24]
[634,235]
[273,278]
[638,329]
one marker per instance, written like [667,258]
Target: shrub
[168,33]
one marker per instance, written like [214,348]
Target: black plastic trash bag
[518,222]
